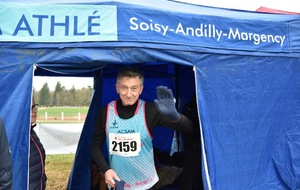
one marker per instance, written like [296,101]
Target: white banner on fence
[59,138]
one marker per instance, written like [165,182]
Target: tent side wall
[16,74]
[249,109]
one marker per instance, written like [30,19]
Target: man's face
[129,89]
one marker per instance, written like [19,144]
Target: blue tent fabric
[15,105]
[248,124]
[243,67]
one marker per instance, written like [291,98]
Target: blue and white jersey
[130,148]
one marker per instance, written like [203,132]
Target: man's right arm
[98,141]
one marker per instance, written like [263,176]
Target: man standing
[37,175]
[126,125]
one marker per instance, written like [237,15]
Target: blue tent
[243,66]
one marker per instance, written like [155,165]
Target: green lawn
[58,168]
[58,110]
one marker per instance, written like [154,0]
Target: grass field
[58,110]
[58,168]
[61,114]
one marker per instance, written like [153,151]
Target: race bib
[125,144]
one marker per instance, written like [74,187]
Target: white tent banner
[58,23]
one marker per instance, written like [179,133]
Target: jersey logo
[114,125]
[125,131]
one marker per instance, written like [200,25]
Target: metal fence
[59,138]
[62,117]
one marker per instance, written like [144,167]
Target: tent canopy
[242,65]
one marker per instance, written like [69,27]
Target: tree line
[62,96]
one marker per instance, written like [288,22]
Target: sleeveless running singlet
[130,148]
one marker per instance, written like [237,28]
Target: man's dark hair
[130,72]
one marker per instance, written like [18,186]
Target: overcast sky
[251,5]
[67,82]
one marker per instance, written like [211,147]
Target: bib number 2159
[124,144]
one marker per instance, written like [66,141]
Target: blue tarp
[244,67]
